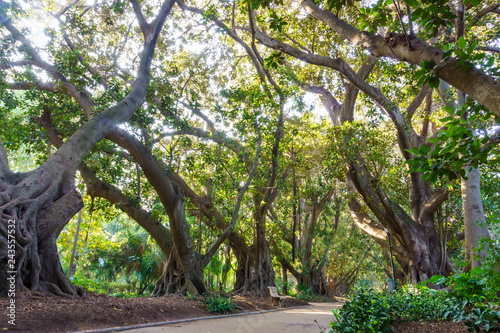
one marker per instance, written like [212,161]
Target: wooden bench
[275,297]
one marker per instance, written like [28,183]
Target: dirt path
[300,320]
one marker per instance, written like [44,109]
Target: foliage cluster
[99,286]
[306,294]
[218,303]
[470,298]
[464,141]
[118,258]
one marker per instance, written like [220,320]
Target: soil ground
[56,314]
[432,327]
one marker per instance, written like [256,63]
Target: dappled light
[291,165]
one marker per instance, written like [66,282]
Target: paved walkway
[299,320]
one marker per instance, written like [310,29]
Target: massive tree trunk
[313,273]
[255,270]
[314,278]
[254,273]
[419,238]
[34,212]
[41,202]
[474,220]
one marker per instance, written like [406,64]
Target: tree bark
[41,202]
[474,220]
[254,274]
[472,81]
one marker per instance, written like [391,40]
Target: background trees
[261,138]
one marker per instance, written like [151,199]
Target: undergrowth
[218,304]
[470,298]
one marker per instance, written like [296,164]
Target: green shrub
[470,298]
[218,304]
[412,303]
[367,311]
[304,293]
[90,285]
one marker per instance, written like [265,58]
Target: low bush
[470,298]
[367,311]
[218,304]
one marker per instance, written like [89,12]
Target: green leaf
[424,149]
[449,109]
[462,42]
[434,82]
[412,3]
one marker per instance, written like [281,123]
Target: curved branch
[433,203]
[483,88]
[493,8]
[215,246]
[330,103]
[98,188]
[46,86]
[415,103]
[143,24]
[7,65]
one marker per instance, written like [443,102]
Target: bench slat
[274,295]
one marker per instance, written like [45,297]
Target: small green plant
[189,296]
[218,304]
[472,298]
[367,311]
[304,293]
[90,285]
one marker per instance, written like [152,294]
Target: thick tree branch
[65,9]
[20,63]
[424,130]
[222,237]
[493,8]
[433,203]
[473,82]
[490,49]
[46,86]
[63,209]
[415,103]
[98,188]
[370,227]
[143,24]
[330,103]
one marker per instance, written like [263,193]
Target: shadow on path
[298,320]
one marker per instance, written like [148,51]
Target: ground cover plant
[217,303]
[468,297]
